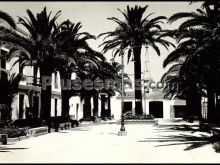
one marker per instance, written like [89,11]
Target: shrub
[91,118]
[74,123]
[6,123]
[216,147]
[129,116]
[13,132]
[55,121]
[21,123]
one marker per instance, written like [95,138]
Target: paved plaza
[100,143]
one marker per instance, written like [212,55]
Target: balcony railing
[30,80]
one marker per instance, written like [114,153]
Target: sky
[93,16]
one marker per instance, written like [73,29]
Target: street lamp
[122,131]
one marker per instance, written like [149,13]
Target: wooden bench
[38,131]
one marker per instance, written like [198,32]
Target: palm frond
[7,18]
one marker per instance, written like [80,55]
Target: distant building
[153,103]
[153,100]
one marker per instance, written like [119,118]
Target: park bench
[38,131]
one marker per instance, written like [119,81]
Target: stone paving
[100,143]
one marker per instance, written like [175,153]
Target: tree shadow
[78,130]
[191,141]
[183,127]
[113,134]
[62,132]
[8,149]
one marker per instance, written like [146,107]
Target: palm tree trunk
[34,99]
[198,112]
[45,96]
[65,96]
[87,107]
[193,101]
[211,102]
[137,77]
[65,104]
[35,75]
[96,105]
[190,105]
[217,109]
[109,106]
[103,114]
[197,100]
[5,112]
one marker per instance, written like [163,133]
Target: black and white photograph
[110,82]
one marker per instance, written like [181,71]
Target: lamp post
[146,79]
[122,131]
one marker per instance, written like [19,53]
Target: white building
[27,102]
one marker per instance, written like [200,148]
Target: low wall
[138,121]
[33,132]
[17,139]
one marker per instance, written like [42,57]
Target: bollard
[4,139]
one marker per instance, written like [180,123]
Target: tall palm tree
[48,45]
[110,71]
[87,71]
[200,44]
[38,49]
[134,32]
[68,42]
[182,81]
[9,88]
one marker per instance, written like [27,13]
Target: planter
[33,132]
[98,120]
[16,139]
[150,121]
[87,122]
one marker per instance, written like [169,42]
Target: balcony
[30,80]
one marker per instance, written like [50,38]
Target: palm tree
[9,88]
[87,71]
[182,81]
[8,19]
[38,49]
[198,28]
[134,32]
[69,41]
[109,71]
